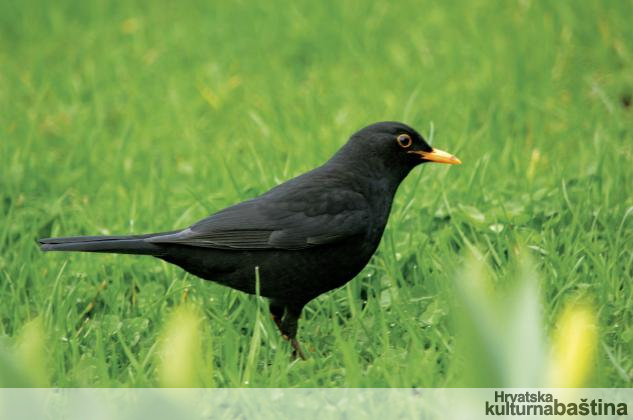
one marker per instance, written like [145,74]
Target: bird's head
[394,147]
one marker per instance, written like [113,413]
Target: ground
[135,117]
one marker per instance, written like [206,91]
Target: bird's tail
[134,244]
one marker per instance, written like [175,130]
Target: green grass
[137,117]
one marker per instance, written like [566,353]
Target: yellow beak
[439,156]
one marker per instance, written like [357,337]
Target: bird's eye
[404,140]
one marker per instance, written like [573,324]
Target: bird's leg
[276,312]
[296,350]
[286,317]
[289,326]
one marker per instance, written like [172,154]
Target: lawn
[132,117]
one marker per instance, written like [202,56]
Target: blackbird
[307,236]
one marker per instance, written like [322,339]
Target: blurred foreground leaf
[25,363]
[573,347]
[181,362]
[502,336]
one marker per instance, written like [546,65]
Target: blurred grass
[121,117]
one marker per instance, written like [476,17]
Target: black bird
[309,235]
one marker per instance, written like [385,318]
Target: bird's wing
[292,221]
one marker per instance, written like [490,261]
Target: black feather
[131,244]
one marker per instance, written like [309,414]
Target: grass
[140,116]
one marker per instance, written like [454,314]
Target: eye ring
[404,141]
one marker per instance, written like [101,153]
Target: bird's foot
[297,352]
